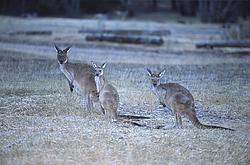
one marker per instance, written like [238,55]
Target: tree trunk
[218,11]
[154,5]
[203,10]
[71,7]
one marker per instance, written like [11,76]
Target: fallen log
[31,33]
[128,32]
[127,39]
[221,44]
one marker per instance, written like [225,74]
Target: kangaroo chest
[66,72]
[99,83]
[163,95]
[160,94]
[70,77]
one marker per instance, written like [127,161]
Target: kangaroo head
[62,56]
[98,68]
[155,77]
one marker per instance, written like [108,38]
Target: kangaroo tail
[198,124]
[132,122]
[216,127]
[133,117]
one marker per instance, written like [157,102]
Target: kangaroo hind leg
[89,103]
[177,109]
[178,120]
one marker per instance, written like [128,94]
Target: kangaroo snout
[61,62]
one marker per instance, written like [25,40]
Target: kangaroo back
[109,99]
[82,76]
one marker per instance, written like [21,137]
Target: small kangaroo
[79,76]
[178,99]
[108,96]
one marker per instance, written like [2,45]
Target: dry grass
[43,123]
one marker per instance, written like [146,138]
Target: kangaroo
[109,98]
[178,99]
[108,95]
[79,76]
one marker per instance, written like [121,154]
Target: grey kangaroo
[79,76]
[108,95]
[109,98]
[178,99]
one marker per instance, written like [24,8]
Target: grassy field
[42,122]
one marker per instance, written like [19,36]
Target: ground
[42,122]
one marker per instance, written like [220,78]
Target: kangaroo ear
[93,64]
[67,49]
[57,49]
[162,73]
[103,65]
[149,72]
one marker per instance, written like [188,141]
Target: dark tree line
[207,10]
[213,10]
[68,8]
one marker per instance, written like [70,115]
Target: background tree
[219,11]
